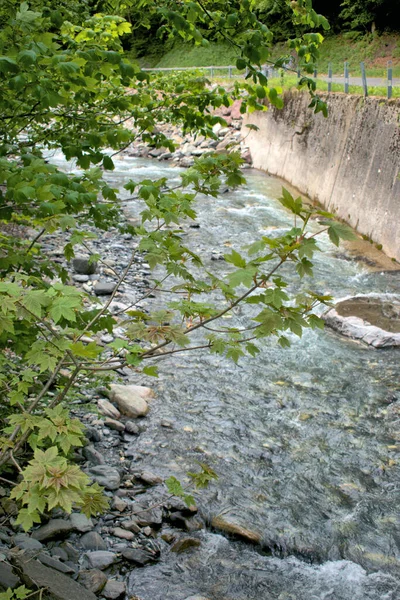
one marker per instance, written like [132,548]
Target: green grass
[199,56]
[374,51]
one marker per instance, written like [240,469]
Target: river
[305,440]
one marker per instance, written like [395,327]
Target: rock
[130,399]
[93,580]
[108,409]
[54,563]
[93,541]
[104,288]
[80,278]
[119,504]
[186,161]
[139,556]
[92,434]
[54,528]
[106,476]
[228,526]
[114,589]
[81,523]
[25,542]
[123,534]
[132,428]
[179,520]
[131,525]
[93,455]
[185,544]
[114,424]
[58,586]
[59,553]
[82,265]
[149,478]
[100,559]
[197,597]
[73,554]
[8,579]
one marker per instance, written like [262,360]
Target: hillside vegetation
[374,50]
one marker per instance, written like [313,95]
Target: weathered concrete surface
[349,162]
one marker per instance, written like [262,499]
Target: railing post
[211,72]
[298,73]
[346,77]
[230,72]
[329,77]
[315,74]
[364,79]
[389,79]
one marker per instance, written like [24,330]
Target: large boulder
[131,399]
[372,319]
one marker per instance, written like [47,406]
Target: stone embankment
[349,162]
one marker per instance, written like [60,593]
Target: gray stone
[93,455]
[114,424]
[150,478]
[81,523]
[131,525]
[93,541]
[119,504]
[185,544]
[25,542]
[108,409]
[139,556]
[114,589]
[100,559]
[82,265]
[80,278]
[132,428]
[58,586]
[93,580]
[54,563]
[92,434]
[54,528]
[106,476]
[131,399]
[197,597]
[123,534]
[104,288]
[59,553]
[73,554]
[8,579]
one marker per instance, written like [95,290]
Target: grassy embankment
[374,51]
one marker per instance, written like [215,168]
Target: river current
[305,440]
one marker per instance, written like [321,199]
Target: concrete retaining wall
[349,162]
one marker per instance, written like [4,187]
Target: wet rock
[147,517]
[114,424]
[131,399]
[81,523]
[25,542]
[228,526]
[82,265]
[73,554]
[92,434]
[80,278]
[93,541]
[58,586]
[108,409]
[8,579]
[106,476]
[185,544]
[179,520]
[123,534]
[54,563]
[100,559]
[132,428]
[92,579]
[119,504]
[114,589]
[93,455]
[139,556]
[54,528]
[197,597]
[59,553]
[131,525]
[104,288]
[149,478]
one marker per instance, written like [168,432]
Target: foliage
[68,87]
[19,593]
[198,481]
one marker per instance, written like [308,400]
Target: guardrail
[365,81]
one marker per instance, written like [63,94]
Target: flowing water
[306,440]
